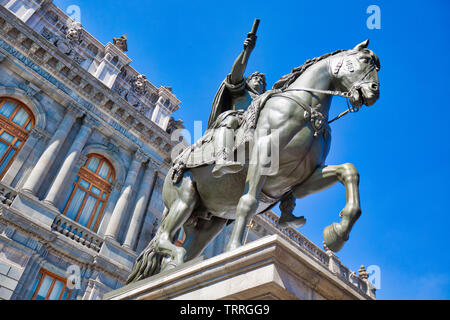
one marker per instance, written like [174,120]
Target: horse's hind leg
[200,233]
[183,199]
[336,234]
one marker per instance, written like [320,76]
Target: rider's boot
[288,219]
[224,143]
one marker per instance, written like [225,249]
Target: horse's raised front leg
[336,234]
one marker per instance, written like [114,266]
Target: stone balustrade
[269,221]
[77,232]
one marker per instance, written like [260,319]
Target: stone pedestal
[269,268]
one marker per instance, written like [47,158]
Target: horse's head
[355,71]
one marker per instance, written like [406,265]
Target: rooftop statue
[121,43]
[290,124]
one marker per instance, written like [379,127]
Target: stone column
[122,204]
[141,204]
[44,163]
[71,158]
[112,200]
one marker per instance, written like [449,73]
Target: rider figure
[235,93]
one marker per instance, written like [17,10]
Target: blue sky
[399,145]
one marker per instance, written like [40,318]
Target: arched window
[16,122]
[90,192]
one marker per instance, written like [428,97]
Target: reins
[346,95]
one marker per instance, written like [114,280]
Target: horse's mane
[286,80]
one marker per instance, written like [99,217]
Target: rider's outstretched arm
[239,66]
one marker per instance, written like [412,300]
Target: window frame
[94,180]
[20,133]
[42,274]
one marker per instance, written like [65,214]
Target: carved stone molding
[75,110]
[117,185]
[81,161]
[140,156]
[39,134]
[30,89]
[90,121]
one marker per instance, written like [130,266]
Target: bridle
[346,94]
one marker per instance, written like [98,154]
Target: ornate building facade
[84,149]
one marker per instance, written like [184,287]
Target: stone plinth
[269,268]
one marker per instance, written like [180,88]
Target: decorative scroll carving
[19,132]
[87,174]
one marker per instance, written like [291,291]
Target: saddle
[202,152]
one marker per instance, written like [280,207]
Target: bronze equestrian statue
[293,117]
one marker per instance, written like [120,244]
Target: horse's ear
[362,45]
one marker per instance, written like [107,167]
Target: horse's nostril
[374,86]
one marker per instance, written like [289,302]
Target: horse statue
[294,114]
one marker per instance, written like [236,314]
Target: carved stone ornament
[131,98]
[174,125]
[74,32]
[66,44]
[139,84]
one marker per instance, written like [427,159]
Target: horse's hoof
[332,239]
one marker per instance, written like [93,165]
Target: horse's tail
[147,264]
[149,261]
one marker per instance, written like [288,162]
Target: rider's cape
[223,101]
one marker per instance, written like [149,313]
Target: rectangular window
[3,148]
[94,220]
[96,190]
[87,210]
[104,170]
[75,204]
[8,108]
[6,160]
[85,184]
[93,164]
[21,117]
[48,286]
[7,137]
